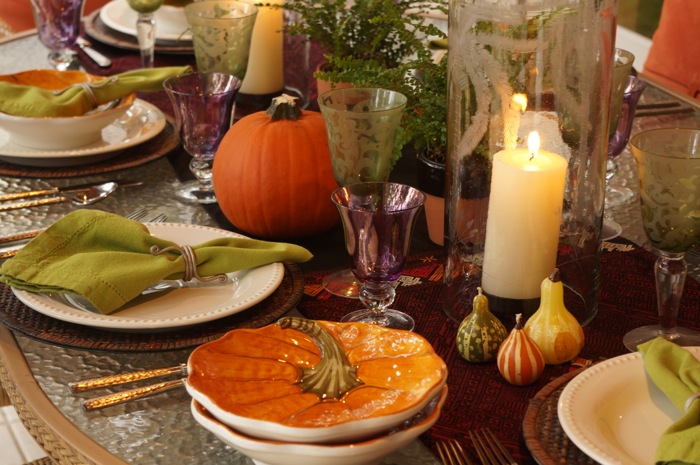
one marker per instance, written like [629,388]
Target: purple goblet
[378,218]
[58,26]
[617,195]
[203,108]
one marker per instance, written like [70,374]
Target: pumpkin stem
[554,277]
[284,107]
[333,376]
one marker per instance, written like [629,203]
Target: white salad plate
[176,308]
[142,122]
[615,413]
[171,23]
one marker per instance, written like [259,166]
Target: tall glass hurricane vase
[378,219]
[58,27]
[519,206]
[668,161]
[203,108]
[221,35]
[361,125]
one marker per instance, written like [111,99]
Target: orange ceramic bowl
[60,133]
[315,381]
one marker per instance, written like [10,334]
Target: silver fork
[489,448]
[451,453]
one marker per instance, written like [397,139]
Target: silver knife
[62,190]
[101,60]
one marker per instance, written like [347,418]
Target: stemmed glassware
[203,108]
[669,177]
[58,27]
[146,28]
[361,124]
[378,219]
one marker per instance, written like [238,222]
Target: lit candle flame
[521,101]
[533,143]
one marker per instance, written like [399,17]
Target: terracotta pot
[323,86]
[431,180]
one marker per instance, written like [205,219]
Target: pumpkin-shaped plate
[315,381]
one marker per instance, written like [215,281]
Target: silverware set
[81,194]
[488,448]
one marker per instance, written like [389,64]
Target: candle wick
[532,155]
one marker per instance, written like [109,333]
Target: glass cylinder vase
[518,204]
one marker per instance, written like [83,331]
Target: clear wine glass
[378,219]
[669,169]
[361,124]
[58,27]
[146,28]
[203,108]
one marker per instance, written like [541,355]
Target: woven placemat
[544,436]
[161,145]
[18,317]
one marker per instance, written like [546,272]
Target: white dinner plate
[142,122]
[171,23]
[615,413]
[177,308]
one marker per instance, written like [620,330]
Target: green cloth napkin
[21,100]
[106,258]
[676,372]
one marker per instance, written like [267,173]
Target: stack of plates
[115,24]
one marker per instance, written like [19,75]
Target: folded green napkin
[106,258]
[676,372]
[21,100]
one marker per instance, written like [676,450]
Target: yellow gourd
[556,332]
[481,333]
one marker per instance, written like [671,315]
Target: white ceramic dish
[177,308]
[368,452]
[614,413]
[171,24]
[141,122]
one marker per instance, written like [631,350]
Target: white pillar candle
[265,73]
[524,216]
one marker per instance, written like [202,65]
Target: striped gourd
[519,359]
[481,333]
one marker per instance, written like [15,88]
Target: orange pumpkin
[305,373]
[272,173]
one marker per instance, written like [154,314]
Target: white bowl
[250,380]
[60,133]
[369,452]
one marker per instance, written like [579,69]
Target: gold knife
[63,190]
[112,380]
[132,394]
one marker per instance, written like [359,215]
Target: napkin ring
[87,87]
[190,263]
[690,400]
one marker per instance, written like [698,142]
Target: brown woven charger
[544,436]
[162,144]
[18,317]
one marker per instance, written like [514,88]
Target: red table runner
[479,396]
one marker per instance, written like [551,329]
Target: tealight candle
[265,73]
[524,215]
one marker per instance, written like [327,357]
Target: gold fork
[489,448]
[451,453]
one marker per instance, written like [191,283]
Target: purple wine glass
[616,195]
[203,109]
[378,218]
[58,27]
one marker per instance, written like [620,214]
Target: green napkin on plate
[676,372]
[106,258]
[32,101]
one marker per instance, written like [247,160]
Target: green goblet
[361,124]
[221,35]
[669,181]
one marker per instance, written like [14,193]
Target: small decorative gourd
[481,333]
[272,173]
[519,359]
[556,332]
